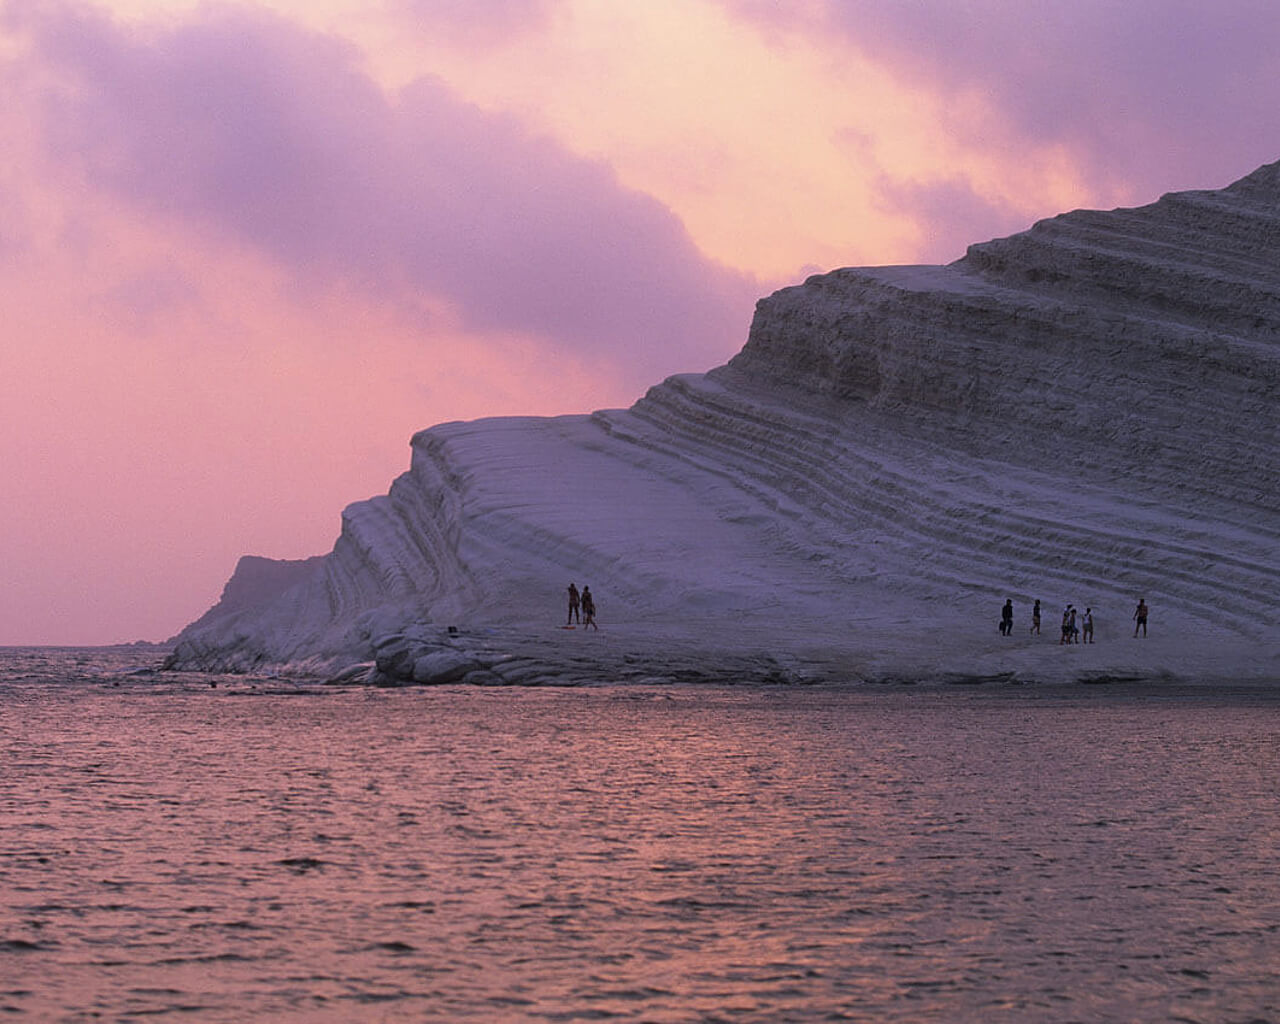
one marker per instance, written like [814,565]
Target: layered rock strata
[1083,412]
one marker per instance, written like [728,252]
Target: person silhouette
[589,610]
[573,605]
[1140,617]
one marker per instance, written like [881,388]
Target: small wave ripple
[682,854]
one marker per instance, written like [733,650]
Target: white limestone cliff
[1085,412]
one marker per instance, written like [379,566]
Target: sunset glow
[247,250]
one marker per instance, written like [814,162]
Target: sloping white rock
[1086,412]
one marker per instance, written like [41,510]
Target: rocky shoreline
[426,655]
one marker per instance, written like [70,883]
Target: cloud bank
[242,124]
[1144,95]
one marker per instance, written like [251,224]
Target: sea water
[259,850]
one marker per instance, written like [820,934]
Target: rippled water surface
[246,852]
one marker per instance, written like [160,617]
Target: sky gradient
[247,250]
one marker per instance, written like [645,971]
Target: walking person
[1035,618]
[1006,619]
[573,605]
[1066,626]
[1140,618]
[589,610]
[1075,627]
[1087,622]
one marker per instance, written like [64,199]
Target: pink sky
[246,250]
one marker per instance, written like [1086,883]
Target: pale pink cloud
[470,24]
[1147,96]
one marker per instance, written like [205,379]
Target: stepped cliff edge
[1082,413]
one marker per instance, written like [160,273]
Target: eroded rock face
[1135,343]
[1085,411]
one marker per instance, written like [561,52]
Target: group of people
[1077,627]
[582,607]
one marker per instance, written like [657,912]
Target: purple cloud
[1155,94]
[242,123]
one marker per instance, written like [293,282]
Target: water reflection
[681,855]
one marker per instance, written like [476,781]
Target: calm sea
[260,851]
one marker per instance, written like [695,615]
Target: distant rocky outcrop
[256,583]
[1083,412]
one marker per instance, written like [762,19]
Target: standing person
[1140,618]
[1006,618]
[589,610]
[1074,628]
[573,605]
[1066,626]
[1035,618]
[1087,636]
